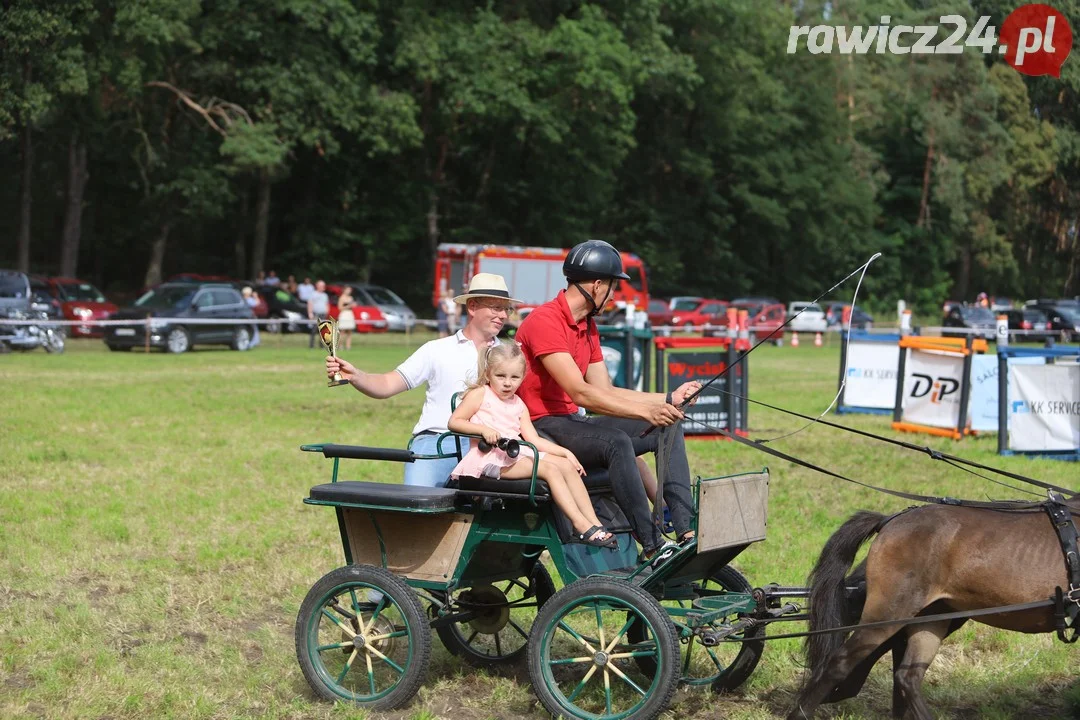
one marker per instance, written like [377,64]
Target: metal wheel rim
[567,703]
[469,631]
[346,628]
[243,339]
[178,341]
[54,342]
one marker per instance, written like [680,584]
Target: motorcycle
[27,337]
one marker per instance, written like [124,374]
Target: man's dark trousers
[614,443]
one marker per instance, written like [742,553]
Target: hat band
[492,293]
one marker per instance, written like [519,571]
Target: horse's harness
[1066,604]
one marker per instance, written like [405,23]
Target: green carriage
[467,562]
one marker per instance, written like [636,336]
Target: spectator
[273,279]
[252,301]
[260,279]
[346,319]
[451,310]
[304,290]
[441,315]
[982,300]
[290,285]
[318,308]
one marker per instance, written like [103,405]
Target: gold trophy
[328,331]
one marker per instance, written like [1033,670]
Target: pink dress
[505,417]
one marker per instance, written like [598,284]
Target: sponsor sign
[983,406]
[932,385]
[1044,407]
[711,406]
[871,375]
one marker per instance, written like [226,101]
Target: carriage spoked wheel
[583,665]
[725,666]
[361,637]
[504,614]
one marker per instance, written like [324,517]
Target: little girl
[492,409]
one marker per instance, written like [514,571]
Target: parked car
[759,301]
[706,312]
[684,302]
[660,312]
[368,317]
[860,319]
[198,278]
[175,303]
[767,319]
[398,315]
[1034,322]
[761,321]
[80,300]
[285,307]
[980,321]
[811,318]
[42,299]
[1063,316]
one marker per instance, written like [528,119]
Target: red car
[707,312]
[660,313]
[79,300]
[368,317]
[761,319]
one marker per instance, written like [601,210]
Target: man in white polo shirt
[447,365]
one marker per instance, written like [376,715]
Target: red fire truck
[533,274]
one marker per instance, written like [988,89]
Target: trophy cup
[328,331]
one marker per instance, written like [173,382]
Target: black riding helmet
[593,260]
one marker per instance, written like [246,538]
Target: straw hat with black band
[486,285]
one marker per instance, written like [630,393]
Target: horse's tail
[829,604]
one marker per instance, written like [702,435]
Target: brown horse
[928,560]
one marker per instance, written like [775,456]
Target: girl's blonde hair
[497,354]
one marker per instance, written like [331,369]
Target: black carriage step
[409,497]
[596,481]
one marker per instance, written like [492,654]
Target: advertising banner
[871,375]
[711,407]
[932,389]
[1044,407]
[983,406]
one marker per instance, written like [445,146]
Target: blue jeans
[433,473]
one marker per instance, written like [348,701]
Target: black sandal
[586,538]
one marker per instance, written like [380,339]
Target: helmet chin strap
[594,309]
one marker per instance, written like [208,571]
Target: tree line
[347,138]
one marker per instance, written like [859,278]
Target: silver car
[399,316]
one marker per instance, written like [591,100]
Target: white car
[812,319]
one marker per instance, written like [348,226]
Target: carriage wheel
[498,634]
[581,662]
[726,666]
[361,636]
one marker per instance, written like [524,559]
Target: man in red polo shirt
[567,370]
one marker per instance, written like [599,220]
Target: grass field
[154,549]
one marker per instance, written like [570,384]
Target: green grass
[154,549]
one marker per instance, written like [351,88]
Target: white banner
[871,375]
[932,389]
[1044,407]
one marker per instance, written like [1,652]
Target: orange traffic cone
[794,339]
[817,339]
